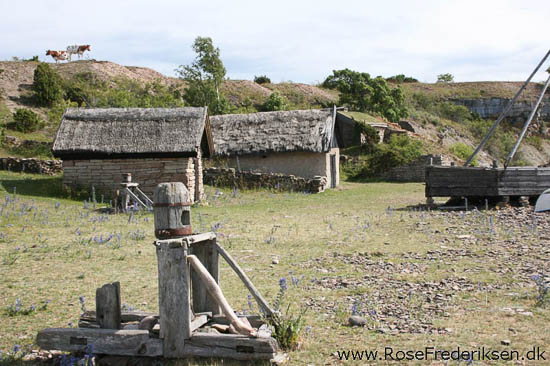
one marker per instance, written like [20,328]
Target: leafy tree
[361,92]
[204,77]
[275,102]
[47,85]
[262,79]
[445,78]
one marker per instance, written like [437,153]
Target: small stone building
[153,144]
[300,143]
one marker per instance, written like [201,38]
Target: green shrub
[369,133]
[399,150]
[536,141]
[401,78]
[454,112]
[463,152]
[262,79]
[275,102]
[47,85]
[26,120]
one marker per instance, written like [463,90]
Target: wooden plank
[107,301]
[195,238]
[212,258]
[198,322]
[174,298]
[264,306]
[445,192]
[103,341]
[207,253]
[231,346]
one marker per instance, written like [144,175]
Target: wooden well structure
[191,303]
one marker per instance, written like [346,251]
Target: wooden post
[174,296]
[207,253]
[107,303]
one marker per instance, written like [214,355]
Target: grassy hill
[438,122]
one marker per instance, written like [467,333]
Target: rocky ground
[409,292]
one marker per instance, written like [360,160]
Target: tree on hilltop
[204,77]
[360,91]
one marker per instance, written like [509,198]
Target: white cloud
[293,40]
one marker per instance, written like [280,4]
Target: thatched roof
[273,132]
[132,132]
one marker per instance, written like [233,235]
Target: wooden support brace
[217,295]
[264,306]
[136,198]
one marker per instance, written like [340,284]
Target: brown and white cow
[78,50]
[57,55]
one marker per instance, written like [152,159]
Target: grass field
[421,278]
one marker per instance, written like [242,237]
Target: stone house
[300,143]
[347,134]
[153,144]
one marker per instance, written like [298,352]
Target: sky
[299,41]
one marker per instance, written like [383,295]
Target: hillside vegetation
[443,126]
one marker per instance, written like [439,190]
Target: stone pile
[37,166]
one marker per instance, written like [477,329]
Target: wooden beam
[107,303]
[103,341]
[264,306]
[254,320]
[233,346]
[125,316]
[174,298]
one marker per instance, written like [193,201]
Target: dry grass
[340,241]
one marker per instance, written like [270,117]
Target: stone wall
[415,171]
[32,165]
[106,174]
[229,177]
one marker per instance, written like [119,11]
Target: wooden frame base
[139,343]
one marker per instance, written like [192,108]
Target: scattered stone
[148,323]
[275,261]
[505,342]
[357,321]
